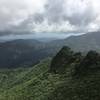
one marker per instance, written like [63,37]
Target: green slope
[20,83]
[38,83]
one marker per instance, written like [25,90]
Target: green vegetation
[62,59]
[46,80]
[25,53]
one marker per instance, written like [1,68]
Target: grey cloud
[57,12]
[54,10]
[64,14]
[82,19]
[14,12]
[38,18]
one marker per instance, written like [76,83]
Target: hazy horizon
[38,36]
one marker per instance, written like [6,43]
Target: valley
[26,52]
[54,79]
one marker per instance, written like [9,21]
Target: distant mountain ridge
[24,52]
[89,41]
[86,42]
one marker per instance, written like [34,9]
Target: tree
[91,62]
[61,60]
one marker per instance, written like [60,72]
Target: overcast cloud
[50,15]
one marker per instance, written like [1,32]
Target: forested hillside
[28,52]
[20,53]
[68,76]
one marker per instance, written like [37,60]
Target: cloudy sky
[50,15]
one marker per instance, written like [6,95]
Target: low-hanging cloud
[50,15]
